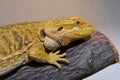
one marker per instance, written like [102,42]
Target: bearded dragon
[21,43]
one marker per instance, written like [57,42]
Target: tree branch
[86,58]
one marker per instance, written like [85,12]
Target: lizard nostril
[78,22]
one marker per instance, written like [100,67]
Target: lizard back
[14,39]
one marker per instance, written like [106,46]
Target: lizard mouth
[76,33]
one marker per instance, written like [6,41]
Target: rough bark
[86,58]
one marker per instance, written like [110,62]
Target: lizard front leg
[37,54]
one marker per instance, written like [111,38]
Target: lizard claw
[55,57]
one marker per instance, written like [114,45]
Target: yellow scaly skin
[23,42]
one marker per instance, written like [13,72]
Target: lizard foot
[55,57]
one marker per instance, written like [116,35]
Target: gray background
[103,14]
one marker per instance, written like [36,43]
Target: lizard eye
[78,22]
[60,28]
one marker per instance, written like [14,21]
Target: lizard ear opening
[42,32]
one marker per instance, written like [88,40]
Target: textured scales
[23,42]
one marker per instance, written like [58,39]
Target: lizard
[21,43]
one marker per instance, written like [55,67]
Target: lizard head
[61,31]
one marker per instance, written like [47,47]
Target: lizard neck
[51,44]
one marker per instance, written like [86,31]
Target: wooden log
[86,58]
